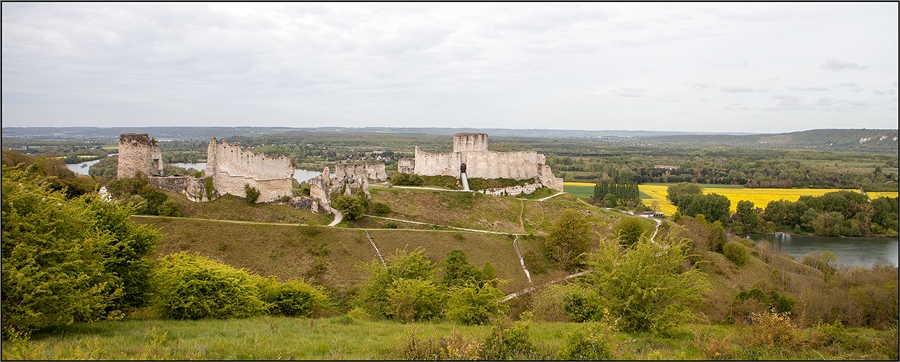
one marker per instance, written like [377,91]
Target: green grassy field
[346,338]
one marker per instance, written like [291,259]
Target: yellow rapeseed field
[658,193]
[759,196]
[568,183]
[875,195]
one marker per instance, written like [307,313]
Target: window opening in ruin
[462,168]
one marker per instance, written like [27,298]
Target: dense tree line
[614,192]
[838,213]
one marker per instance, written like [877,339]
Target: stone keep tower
[467,142]
[137,152]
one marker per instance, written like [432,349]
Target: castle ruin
[471,156]
[231,168]
[138,152]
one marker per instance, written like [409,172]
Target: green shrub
[189,286]
[169,208]
[629,230]
[827,335]
[381,208]
[493,183]
[581,304]
[374,294]
[647,288]
[53,258]
[568,239]
[406,179]
[474,304]
[389,225]
[252,193]
[588,342]
[353,207]
[293,298]
[736,252]
[123,189]
[510,342]
[208,188]
[411,300]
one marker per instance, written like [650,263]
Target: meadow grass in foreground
[346,337]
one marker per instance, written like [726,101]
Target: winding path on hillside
[337,217]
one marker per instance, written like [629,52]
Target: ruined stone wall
[526,189]
[191,187]
[471,149]
[372,171]
[319,192]
[436,164]
[406,165]
[520,165]
[137,152]
[231,168]
[467,142]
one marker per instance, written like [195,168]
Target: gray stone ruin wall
[191,187]
[354,178]
[372,171]
[522,165]
[406,165]
[231,168]
[319,192]
[470,142]
[137,152]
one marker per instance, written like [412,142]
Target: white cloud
[736,89]
[524,65]
[837,65]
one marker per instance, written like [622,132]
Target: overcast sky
[732,67]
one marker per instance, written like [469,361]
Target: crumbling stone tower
[232,167]
[137,152]
[470,142]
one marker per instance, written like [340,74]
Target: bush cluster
[410,289]
[68,259]
[190,286]
[407,179]
[736,252]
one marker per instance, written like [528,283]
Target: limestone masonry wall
[406,165]
[191,187]
[481,163]
[372,171]
[465,142]
[231,167]
[137,152]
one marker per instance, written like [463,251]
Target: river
[299,175]
[849,251]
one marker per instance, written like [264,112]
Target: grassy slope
[285,251]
